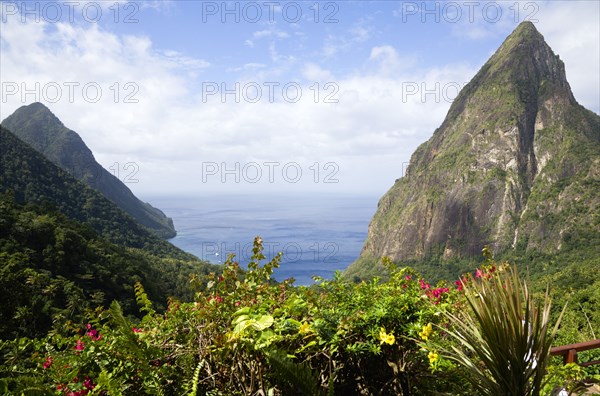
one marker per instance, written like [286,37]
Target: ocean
[318,234]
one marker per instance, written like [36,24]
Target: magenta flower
[48,362]
[93,334]
[459,285]
[88,383]
[80,345]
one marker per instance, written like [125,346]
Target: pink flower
[93,334]
[407,277]
[439,291]
[80,345]
[424,285]
[88,383]
[48,362]
[459,285]
[478,273]
[136,330]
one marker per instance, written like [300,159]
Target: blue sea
[318,234]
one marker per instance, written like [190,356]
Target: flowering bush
[246,334]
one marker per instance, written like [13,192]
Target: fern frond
[298,377]
[142,299]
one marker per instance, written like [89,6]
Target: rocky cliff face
[37,126]
[515,165]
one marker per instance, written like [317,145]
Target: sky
[201,97]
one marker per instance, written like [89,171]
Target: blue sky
[367,82]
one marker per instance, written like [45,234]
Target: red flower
[48,362]
[88,383]
[93,334]
[218,299]
[459,285]
[80,345]
[439,291]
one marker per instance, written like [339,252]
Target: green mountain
[42,130]
[515,165]
[65,249]
[33,179]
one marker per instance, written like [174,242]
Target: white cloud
[358,33]
[572,30]
[385,108]
[389,61]
[314,72]
[270,33]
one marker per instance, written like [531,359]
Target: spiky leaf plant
[504,338]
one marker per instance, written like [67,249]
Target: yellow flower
[426,332]
[385,337]
[433,357]
[304,328]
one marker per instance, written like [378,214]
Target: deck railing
[569,352]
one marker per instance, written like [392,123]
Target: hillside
[515,165]
[54,271]
[66,250]
[37,126]
[33,179]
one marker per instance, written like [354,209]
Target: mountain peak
[523,66]
[37,112]
[525,55]
[514,153]
[37,126]
[36,108]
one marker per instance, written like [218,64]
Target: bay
[318,234]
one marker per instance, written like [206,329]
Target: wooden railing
[569,352]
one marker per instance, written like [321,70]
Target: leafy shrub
[245,334]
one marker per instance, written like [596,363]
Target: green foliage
[570,377]
[504,338]
[38,127]
[32,179]
[245,334]
[54,272]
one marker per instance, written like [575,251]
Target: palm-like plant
[505,338]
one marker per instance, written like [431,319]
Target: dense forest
[34,179]
[66,250]
[57,271]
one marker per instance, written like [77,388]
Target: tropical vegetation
[244,334]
